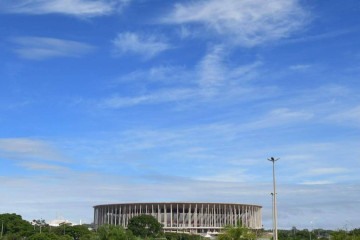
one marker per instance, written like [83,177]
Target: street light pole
[272,206]
[273,160]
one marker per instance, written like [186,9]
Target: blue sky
[109,101]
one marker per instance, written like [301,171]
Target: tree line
[319,234]
[13,227]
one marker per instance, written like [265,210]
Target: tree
[39,222]
[13,224]
[236,233]
[182,236]
[49,236]
[110,232]
[145,226]
[77,231]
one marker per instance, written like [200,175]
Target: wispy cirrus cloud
[300,67]
[147,46]
[28,148]
[328,170]
[246,23]
[167,95]
[210,78]
[349,116]
[40,48]
[163,74]
[79,8]
[37,166]
[214,74]
[280,116]
[319,182]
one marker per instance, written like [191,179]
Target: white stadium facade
[197,218]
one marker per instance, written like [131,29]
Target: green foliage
[145,226]
[49,236]
[110,232]
[14,228]
[181,236]
[344,235]
[236,233]
[319,234]
[14,225]
[76,232]
[296,234]
[90,236]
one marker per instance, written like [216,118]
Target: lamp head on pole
[272,159]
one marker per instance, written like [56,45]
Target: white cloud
[167,95]
[39,48]
[300,67]
[42,166]
[82,191]
[231,175]
[215,75]
[279,117]
[319,182]
[247,22]
[349,116]
[322,36]
[79,8]
[166,75]
[211,78]
[326,171]
[27,148]
[211,68]
[147,46]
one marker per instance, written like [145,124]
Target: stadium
[197,218]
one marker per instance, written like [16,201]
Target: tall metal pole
[273,160]
[272,207]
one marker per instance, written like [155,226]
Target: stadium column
[171,216]
[107,215]
[251,217]
[177,217]
[120,215]
[165,216]
[196,216]
[208,215]
[239,216]
[254,217]
[103,215]
[158,213]
[95,222]
[152,210]
[183,217]
[99,216]
[235,216]
[202,215]
[189,216]
[127,215]
[242,216]
[226,215]
[215,216]
[111,214]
